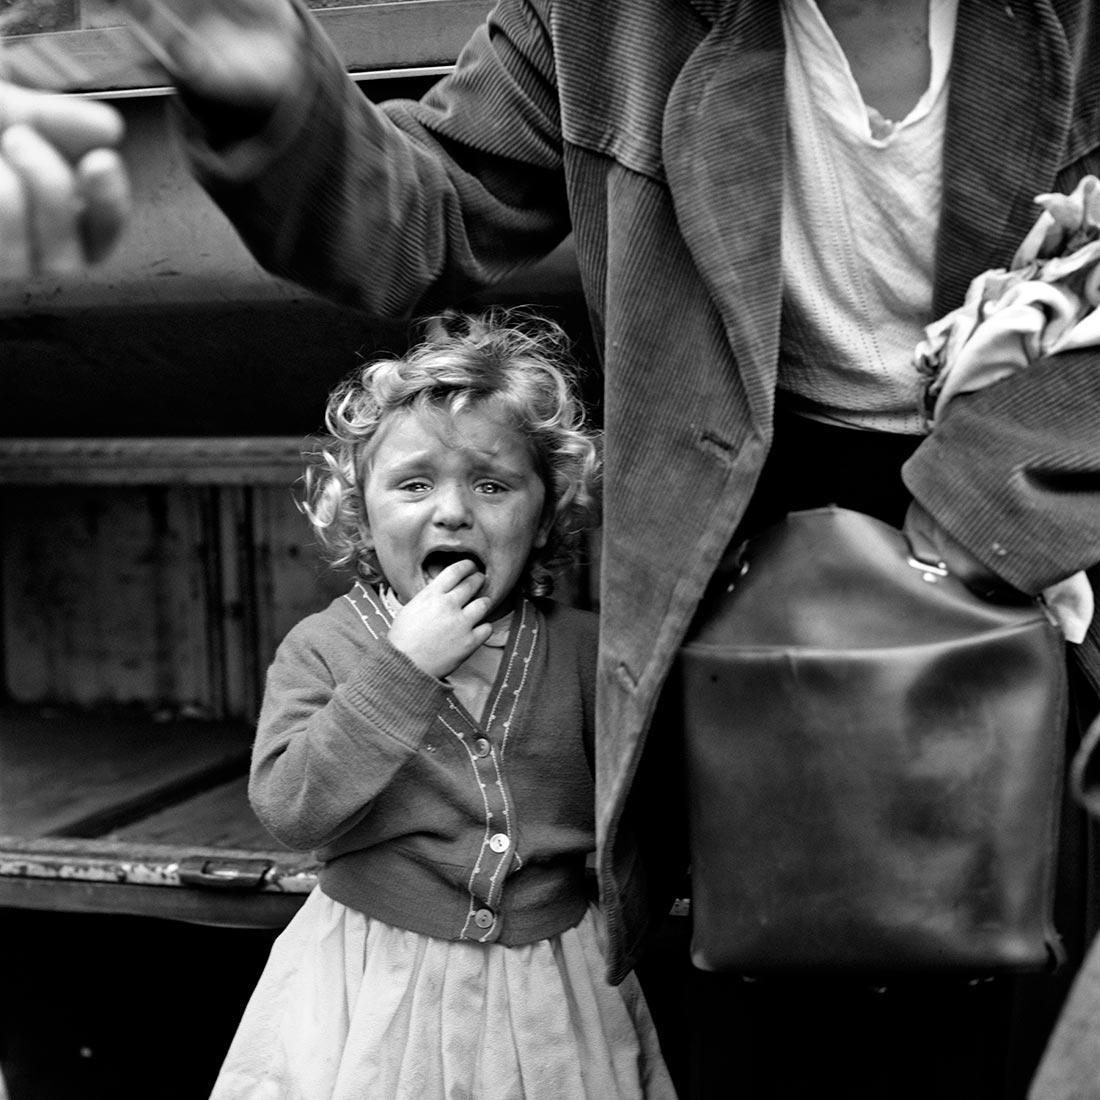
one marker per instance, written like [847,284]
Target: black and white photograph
[548,549]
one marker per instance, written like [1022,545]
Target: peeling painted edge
[139,873]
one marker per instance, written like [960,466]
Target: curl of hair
[511,361]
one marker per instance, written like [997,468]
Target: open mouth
[437,560]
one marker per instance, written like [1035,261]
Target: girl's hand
[64,192]
[442,624]
[246,53]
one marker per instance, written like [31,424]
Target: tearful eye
[438,560]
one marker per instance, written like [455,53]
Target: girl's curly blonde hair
[514,361]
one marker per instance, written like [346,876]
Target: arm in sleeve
[324,750]
[1012,472]
[399,208]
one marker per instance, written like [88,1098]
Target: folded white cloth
[1044,304]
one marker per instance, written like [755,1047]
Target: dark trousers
[812,464]
[885,1038]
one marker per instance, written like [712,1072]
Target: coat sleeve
[399,208]
[324,749]
[1013,472]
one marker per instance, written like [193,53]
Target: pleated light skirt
[349,1008]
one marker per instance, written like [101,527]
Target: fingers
[464,588]
[64,193]
[441,626]
[15,252]
[463,575]
[476,610]
[461,581]
[73,126]
[105,188]
[51,207]
[54,218]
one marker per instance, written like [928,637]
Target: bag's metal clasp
[929,571]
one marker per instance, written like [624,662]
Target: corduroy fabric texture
[655,130]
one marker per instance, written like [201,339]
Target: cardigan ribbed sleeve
[320,724]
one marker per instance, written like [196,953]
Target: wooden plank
[216,819]
[167,597]
[109,600]
[138,878]
[258,460]
[145,863]
[292,579]
[80,775]
[405,35]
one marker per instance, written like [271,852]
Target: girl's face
[441,488]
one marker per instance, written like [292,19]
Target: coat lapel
[1007,123]
[724,135]
[723,146]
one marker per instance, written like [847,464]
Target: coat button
[499,842]
[482,747]
[484,918]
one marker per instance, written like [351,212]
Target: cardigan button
[484,918]
[499,842]
[482,747]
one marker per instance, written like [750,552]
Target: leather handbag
[874,761]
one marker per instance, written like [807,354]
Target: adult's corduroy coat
[654,131]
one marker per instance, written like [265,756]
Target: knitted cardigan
[424,817]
